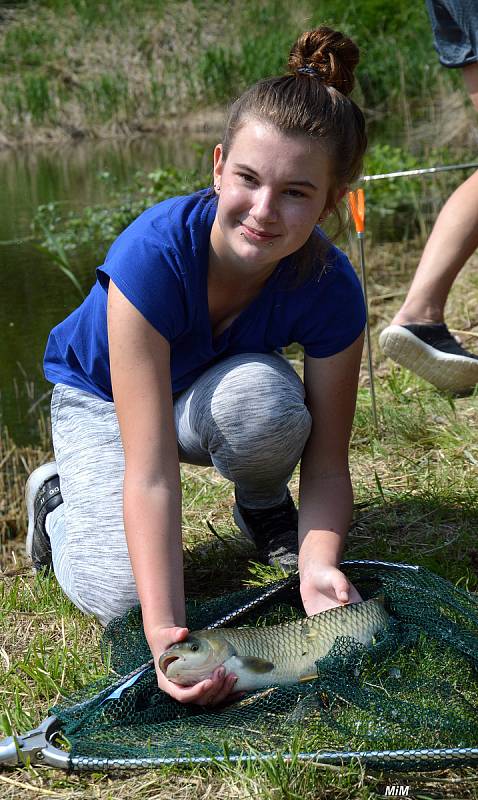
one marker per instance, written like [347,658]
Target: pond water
[35,294]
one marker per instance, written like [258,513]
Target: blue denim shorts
[455,30]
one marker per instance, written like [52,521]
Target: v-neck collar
[218,343]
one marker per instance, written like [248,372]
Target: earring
[217,187]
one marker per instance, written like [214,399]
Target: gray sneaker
[42,495]
[431,352]
[273,531]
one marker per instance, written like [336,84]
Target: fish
[277,655]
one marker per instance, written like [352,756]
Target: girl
[175,356]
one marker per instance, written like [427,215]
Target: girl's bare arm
[141,379]
[326,498]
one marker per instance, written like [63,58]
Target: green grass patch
[43,655]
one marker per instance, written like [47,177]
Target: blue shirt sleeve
[149,275]
[334,310]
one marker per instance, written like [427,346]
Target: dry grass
[157,785]
[15,464]
[106,80]
[70,70]
[321,783]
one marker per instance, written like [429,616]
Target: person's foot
[42,495]
[273,531]
[433,353]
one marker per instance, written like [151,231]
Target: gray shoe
[42,495]
[431,352]
[273,531]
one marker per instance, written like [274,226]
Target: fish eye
[194,648]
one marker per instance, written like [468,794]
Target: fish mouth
[166,662]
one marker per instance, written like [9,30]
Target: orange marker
[357,207]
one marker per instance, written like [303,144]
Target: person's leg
[453,240]
[418,337]
[470,76]
[89,551]
[246,416]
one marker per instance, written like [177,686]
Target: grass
[75,68]
[417,501]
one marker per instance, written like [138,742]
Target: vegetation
[74,68]
[89,233]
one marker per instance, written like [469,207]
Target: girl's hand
[210,692]
[323,586]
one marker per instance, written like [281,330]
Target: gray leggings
[245,416]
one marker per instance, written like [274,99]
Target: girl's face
[274,189]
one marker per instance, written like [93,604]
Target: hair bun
[331,54]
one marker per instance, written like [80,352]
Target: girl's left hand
[325,586]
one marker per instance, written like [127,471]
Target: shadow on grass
[434,530]
[430,530]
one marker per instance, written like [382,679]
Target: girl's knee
[260,401]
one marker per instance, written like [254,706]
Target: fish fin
[255,664]
[380,598]
[311,677]
[311,633]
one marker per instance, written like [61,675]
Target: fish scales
[294,647]
[276,654]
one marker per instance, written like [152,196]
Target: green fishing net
[409,700]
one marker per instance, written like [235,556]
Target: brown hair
[311,100]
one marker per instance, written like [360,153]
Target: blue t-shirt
[160,264]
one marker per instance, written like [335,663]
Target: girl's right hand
[210,692]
